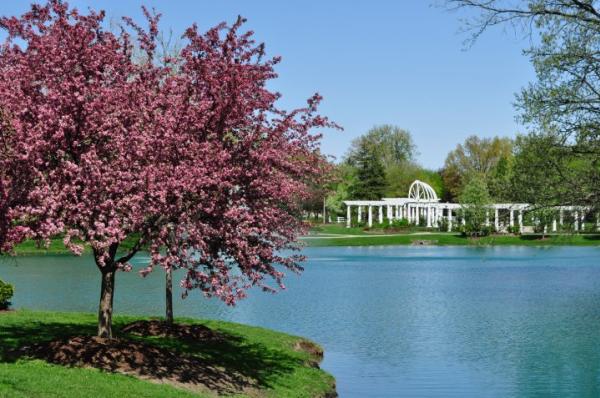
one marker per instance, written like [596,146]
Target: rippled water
[397,321]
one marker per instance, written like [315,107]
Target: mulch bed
[155,328]
[144,361]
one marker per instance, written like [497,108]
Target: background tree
[399,179]
[474,200]
[370,180]
[344,177]
[476,157]
[542,173]
[500,180]
[392,145]
[564,101]
[393,148]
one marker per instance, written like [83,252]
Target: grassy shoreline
[273,361]
[336,235]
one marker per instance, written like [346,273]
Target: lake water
[396,321]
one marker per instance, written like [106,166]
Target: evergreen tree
[370,180]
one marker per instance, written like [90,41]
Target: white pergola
[423,203]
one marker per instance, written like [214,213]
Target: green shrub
[443,225]
[515,230]
[400,223]
[480,231]
[6,293]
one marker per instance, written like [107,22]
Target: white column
[582,220]
[449,219]
[496,220]
[521,221]
[428,216]
[370,215]
[576,225]
[487,218]
[348,216]
[554,225]
[561,217]
[512,218]
[359,214]
[380,214]
[389,213]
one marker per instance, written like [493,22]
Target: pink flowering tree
[15,183]
[232,166]
[192,158]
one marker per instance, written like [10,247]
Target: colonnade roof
[422,194]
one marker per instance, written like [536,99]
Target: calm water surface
[396,321]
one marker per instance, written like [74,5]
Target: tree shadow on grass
[531,237]
[227,365]
[594,237]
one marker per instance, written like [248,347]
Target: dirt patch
[144,361]
[311,348]
[423,242]
[157,328]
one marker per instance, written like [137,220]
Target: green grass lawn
[338,235]
[265,356]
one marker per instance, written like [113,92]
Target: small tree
[6,293]
[475,201]
[543,218]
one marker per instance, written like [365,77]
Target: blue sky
[375,62]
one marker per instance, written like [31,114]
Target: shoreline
[357,237]
[334,236]
[263,361]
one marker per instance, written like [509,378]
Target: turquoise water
[396,321]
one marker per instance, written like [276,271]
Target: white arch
[421,191]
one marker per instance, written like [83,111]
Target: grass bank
[336,235]
[255,361]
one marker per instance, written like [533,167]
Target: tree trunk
[105,309]
[169,296]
